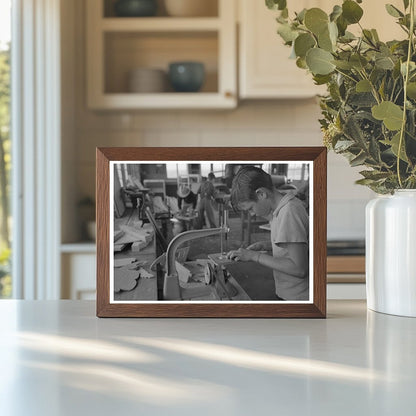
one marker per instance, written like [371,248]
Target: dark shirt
[190,199]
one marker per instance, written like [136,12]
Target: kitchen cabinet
[346,277]
[265,70]
[78,264]
[118,45]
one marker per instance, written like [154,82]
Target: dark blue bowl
[135,8]
[186,76]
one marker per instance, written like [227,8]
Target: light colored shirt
[290,224]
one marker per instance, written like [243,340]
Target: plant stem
[373,88]
[406,79]
[346,75]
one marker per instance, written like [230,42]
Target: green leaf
[358,160]
[388,112]
[301,63]
[319,61]
[411,90]
[368,36]
[394,143]
[384,62]
[336,12]
[365,182]
[374,150]
[321,79]
[393,11]
[333,32]
[358,61]
[343,145]
[342,25]
[344,65]
[363,86]
[303,43]
[316,20]
[351,11]
[301,15]
[362,99]
[325,42]
[287,33]
[282,20]
[412,67]
[406,4]
[276,4]
[374,174]
[353,131]
[375,35]
[382,89]
[347,37]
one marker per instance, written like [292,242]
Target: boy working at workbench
[253,191]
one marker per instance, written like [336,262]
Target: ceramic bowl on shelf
[191,8]
[147,80]
[135,8]
[186,76]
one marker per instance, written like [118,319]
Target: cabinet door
[78,276]
[266,71]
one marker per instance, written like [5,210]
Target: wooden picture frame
[112,162]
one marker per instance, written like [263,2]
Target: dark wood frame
[317,309]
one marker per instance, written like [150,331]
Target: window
[218,169]
[205,169]
[298,172]
[5,145]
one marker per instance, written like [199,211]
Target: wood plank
[346,264]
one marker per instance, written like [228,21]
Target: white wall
[253,123]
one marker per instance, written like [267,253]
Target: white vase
[391,253]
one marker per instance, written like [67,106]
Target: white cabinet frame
[224,26]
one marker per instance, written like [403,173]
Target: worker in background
[206,202]
[187,200]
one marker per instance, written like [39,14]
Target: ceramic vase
[391,253]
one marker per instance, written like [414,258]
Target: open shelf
[160,24]
[210,9]
[118,45]
[127,51]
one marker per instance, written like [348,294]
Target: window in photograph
[297,171]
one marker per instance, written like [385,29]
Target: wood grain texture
[346,264]
[317,309]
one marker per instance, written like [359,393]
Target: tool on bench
[216,275]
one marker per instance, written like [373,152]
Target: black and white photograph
[211,231]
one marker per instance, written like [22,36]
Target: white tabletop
[57,358]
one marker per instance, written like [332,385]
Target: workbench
[146,289]
[57,358]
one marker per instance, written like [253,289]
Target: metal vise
[171,287]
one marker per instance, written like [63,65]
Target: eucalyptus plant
[369,111]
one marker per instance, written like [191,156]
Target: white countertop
[57,358]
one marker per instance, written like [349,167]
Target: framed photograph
[211,232]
